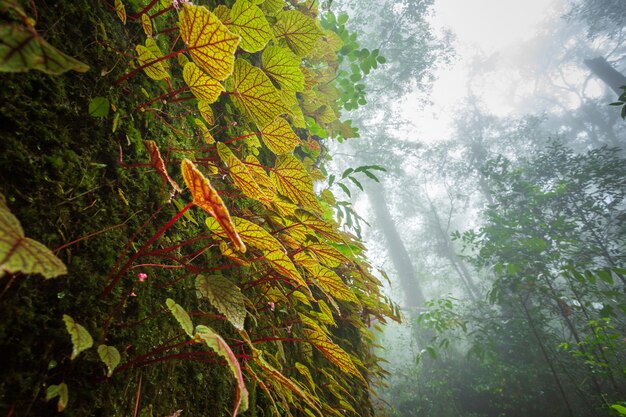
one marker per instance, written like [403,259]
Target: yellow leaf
[259,174]
[313,324]
[326,315]
[228,252]
[324,228]
[284,68]
[295,111]
[120,10]
[152,45]
[254,94]
[205,197]
[305,260]
[304,371]
[206,135]
[204,107]
[146,23]
[333,353]
[327,254]
[299,31]
[272,6]
[202,86]
[154,69]
[283,265]
[332,283]
[279,137]
[239,173]
[223,13]
[248,21]
[294,182]
[211,45]
[251,233]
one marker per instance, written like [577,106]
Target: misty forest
[296,208]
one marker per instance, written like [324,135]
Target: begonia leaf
[283,265]
[294,182]
[81,339]
[225,296]
[206,134]
[211,45]
[284,68]
[60,391]
[219,345]
[279,137]
[205,197]
[202,86]
[238,171]
[159,165]
[181,316]
[205,110]
[299,31]
[333,352]
[120,10]
[110,356]
[21,254]
[146,24]
[332,283]
[247,20]
[153,69]
[254,94]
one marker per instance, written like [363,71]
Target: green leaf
[110,356]
[99,107]
[248,20]
[619,408]
[606,276]
[23,49]
[298,30]
[356,182]
[81,339]
[225,296]
[21,254]
[215,342]
[181,316]
[60,391]
[344,188]
[284,68]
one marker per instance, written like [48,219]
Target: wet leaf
[81,339]
[181,316]
[153,69]
[239,173]
[21,254]
[279,137]
[294,182]
[248,20]
[225,296]
[205,197]
[158,164]
[60,391]
[217,344]
[298,30]
[211,45]
[333,353]
[110,356]
[254,94]
[202,86]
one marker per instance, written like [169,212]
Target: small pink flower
[132,294]
[142,277]
[272,305]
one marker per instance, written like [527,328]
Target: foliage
[262,275]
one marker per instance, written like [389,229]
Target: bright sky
[483,28]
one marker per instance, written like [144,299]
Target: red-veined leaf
[205,110]
[300,32]
[283,265]
[225,296]
[205,197]
[153,69]
[279,137]
[248,21]
[202,86]
[120,10]
[254,94]
[333,353]
[206,134]
[294,182]
[211,45]
[146,24]
[283,67]
[157,162]
[239,173]
[217,344]
[332,283]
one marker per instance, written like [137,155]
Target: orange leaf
[158,164]
[202,86]
[211,45]
[205,197]
[120,10]
[146,23]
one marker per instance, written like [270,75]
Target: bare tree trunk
[397,251]
[607,73]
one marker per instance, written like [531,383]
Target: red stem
[141,67]
[161,97]
[241,137]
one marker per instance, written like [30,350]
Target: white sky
[483,28]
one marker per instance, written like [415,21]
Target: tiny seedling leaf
[81,339]
[99,107]
[181,316]
[110,356]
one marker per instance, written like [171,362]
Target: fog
[499,218]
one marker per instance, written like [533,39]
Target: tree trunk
[607,73]
[414,297]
